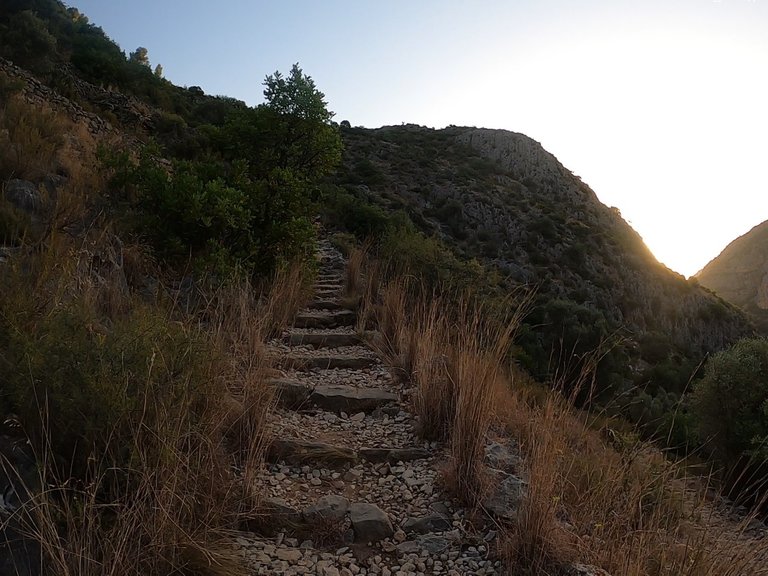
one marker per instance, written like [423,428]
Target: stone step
[322,304]
[323,339]
[334,398]
[333,319]
[300,452]
[392,455]
[327,362]
[327,287]
[295,395]
[369,522]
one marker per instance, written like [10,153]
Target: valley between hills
[245,340]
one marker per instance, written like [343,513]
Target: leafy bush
[213,213]
[730,404]
[82,387]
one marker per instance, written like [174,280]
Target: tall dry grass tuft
[434,398]
[285,294]
[479,372]
[458,365]
[353,272]
[167,502]
[30,139]
[369,294]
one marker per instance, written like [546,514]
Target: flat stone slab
[350,400]
[428,524]
[329,362]
[273,516]
[299,452]
[330,319]
[325,340]
[291,394]
[393,455]
[329,286]
[325,305]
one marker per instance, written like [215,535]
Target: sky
[661,106]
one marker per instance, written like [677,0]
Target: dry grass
[30,139]
[617,504]
[459,367]
[171,509]
[353,272]
[176,471]
[285,294]
[595,496]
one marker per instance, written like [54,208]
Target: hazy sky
[661,106]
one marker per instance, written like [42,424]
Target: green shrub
[214,213]
[84,388]
[730,404]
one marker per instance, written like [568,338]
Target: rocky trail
[350,488]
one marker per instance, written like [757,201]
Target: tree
[290,144]
[27,41]
[159,71]
[140,56]
[296,96]
[300,127]
[730,404]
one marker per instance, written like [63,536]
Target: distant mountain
[740,273]
[500,197]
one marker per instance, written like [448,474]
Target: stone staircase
[349,487]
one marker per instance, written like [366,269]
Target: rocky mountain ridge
[740,273]
[499,196]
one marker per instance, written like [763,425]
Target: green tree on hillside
[140,56]
[290,144]
[27,41]
[290,132]
[730,403]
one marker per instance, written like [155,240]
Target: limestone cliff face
[740,273]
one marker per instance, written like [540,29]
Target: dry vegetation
[159,396]
[596,496]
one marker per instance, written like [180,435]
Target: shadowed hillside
[499,197]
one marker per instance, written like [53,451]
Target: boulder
[24,195]
[427,524]
[290,394]
[505,500]
[370,523]
[584,570]
[503,457]
[331,507]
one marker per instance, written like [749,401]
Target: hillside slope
[740,273]
[500,197]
